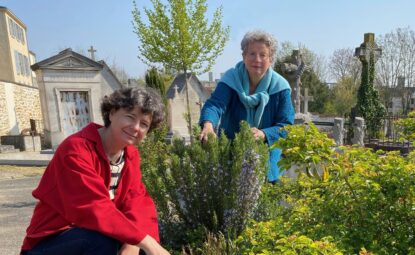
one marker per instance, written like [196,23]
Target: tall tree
[344,95]
[179,36]
[397,62]
[343,64]
[156,81]
[119,72]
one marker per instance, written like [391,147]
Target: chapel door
[75,111]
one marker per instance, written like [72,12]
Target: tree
[154,80]
[343,64]
[344,95]
[397,63]
[119,72]
[179,37]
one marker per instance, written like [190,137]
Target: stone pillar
[359,131]
[338,131]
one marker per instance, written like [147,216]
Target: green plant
[271,237]
[210,187]
[406,127]
[367,199]
[368,103]
[307,148]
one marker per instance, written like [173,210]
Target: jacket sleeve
[138,206]
[216,105]
[284,116]
[83,196]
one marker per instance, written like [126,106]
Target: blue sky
[321,25]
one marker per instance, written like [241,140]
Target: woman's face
[129,126]
[257,59]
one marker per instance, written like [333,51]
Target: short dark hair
[145,98]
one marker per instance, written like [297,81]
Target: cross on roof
[176,92]
[92,51]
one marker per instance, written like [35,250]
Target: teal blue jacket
[226,111]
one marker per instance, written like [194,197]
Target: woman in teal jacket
[251,91]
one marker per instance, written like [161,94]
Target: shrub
[200,188]
[366,200]
[271,238]
[406,127]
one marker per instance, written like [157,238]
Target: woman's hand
[207,129]
[151,247]
[258,134]
[128,249]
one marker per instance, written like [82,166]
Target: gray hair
[262,37]
[147,99]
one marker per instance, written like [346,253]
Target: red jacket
[74,191]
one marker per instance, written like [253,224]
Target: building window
[16,31]
[17,62]
[22,64]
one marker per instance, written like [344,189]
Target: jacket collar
[90,132]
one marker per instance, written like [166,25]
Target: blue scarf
[237,78]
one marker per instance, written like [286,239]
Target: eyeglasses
[253,55]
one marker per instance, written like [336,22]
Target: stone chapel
[71,88]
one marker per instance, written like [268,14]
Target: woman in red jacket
[91,197]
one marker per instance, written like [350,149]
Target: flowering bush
[200,188]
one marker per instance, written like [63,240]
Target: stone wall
[4,118]
[26,106]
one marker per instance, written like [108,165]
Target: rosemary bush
[204,188]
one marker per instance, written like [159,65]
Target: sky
[322,26]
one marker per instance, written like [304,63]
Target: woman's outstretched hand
[151,247]
[258,134]
[207,129]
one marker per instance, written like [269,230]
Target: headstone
[338,131]
[358,131]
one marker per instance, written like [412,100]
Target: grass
[12,172]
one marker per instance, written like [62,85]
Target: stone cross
[306,99]
[92,51]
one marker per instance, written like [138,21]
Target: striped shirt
[116,169]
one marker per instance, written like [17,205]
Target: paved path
[16,207]
[25,158]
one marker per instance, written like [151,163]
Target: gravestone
[358,131]
[338,131]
